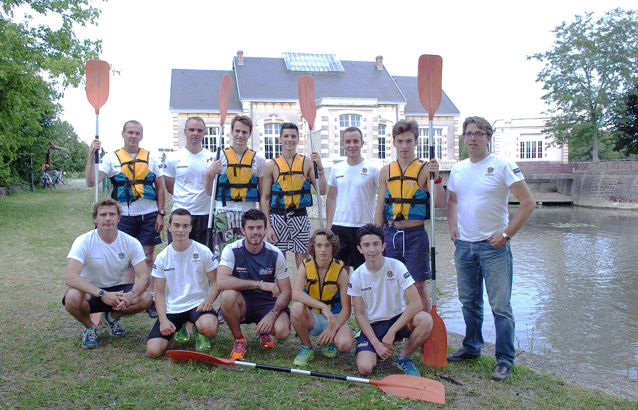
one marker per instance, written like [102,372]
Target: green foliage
[38,62]
[587,73]
[463,154]
[61,133]
[626,124]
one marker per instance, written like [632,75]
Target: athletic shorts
[293,232]
[178,320]
[96,305]
[258,307]
[380,329]
[321,323]
[141,227]
[348,242]
[410,246]
[198,233]
[227,229]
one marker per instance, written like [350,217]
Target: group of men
[371,259]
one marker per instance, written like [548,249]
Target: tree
[63,135]
[588,71]
[626,124]
[38,63]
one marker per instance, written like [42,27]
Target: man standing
[256,285]
[185,175]
[322,305]
[403,205]
[287,193]
[379,289]
[95,274]
[137,186]
[186,288]
[480,228]
[238,186]
[349,205]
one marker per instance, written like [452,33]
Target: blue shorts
[410,246]
[257,307]
[321,323]
[96,305]
[178,320]
[380,328]
[141,227]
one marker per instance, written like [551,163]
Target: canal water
[575,292]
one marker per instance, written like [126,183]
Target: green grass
[43,365]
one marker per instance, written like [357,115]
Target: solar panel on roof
[308,62]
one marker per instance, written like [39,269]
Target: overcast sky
[483,44]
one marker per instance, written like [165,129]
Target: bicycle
[59,176]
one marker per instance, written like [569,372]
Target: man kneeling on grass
[185,288]
[95,272]
[320,291]
[377,288]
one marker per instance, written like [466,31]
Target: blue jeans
[475,262]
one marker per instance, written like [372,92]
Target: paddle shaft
[97,157]
[213,202]
[432,214]
[305,372]
[316,167]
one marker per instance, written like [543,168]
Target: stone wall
[607,189]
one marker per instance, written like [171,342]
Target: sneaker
[460,355]
[182,335]
[152,313]
[267,341]
[306,355]
[220,317]
[89,338]
[502,372]
[407,366]
[115,327]
[330,350]
[239,349]
[202,343]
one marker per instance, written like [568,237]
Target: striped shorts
[293,232]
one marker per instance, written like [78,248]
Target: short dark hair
[244,119]
[200,119]
[369,229]
[332,238]
[253,215]
[180,212]
[132,122]
[404,126]
[290,126]
[353,129]
[483,125]
[106,202]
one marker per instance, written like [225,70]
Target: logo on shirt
[490,172]
[517,170]
[406,275]
[339,176]
[121,255]
[266,271]
[390,274]
[196,256]
[168,269]
[364,171]
[182,166]
[366,289]
[154,266]
[349,285]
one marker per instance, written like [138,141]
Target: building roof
[410,89]
[198,91]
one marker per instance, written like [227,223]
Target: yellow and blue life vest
[135,179]
[329,292]
[292,189]
[238,183]
[403,197]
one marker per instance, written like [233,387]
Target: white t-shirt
[110,165]
[258,171]
[187,284]
[356,190]
[382,291]
[482,192]
[104,264]
[189,172]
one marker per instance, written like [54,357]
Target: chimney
[379,62]
[240,57]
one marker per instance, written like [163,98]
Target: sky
[483,44]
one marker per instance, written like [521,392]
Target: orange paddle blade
[97,83]
[224,96]
[412,387]
[188,355]
[307,99]
[429,82]
[435,348]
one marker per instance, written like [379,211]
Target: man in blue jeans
[480,228]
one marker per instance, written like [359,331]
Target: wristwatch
[162,212]
[100,294]
[506,237]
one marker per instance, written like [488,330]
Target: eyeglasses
[479,134]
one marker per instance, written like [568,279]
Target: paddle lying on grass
[224,96]
[400,385]
[430,91]
[308,107]
[97,92]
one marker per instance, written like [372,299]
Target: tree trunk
[594,151]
